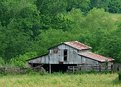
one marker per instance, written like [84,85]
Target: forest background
[29,27]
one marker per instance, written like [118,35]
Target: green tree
[96,26]
[111,45]
[83,5]
[115,6]
[20,61]
[16,43]
[20,28]
[3,42]
[100,4]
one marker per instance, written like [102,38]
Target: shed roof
[77,45]
[94,56]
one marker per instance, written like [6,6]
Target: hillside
[29,27]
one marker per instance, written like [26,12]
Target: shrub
[20,61]
[2,62]
[119,75]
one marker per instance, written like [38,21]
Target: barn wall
[43,59]
[72,55]
[89,61]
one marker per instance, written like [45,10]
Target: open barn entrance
[53,68]
[58,67]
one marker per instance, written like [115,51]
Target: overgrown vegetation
[60,80]
[29,27]
[119,75]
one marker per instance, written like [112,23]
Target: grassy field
[60,80]
[116,17]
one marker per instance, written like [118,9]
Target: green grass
[116,17]
[60,80]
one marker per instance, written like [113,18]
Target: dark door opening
[56,67]
[65,55]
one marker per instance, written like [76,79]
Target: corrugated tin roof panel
[77,45]
[96,56]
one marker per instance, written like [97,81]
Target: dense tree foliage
[113,6]
[29,27]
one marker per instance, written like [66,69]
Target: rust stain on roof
[77,45]
[96,56]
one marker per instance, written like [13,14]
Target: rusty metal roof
[95,56]
[77,45]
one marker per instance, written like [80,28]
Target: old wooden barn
[71,56]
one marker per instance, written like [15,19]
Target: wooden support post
[73,69]
[50,68]
[99,68]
